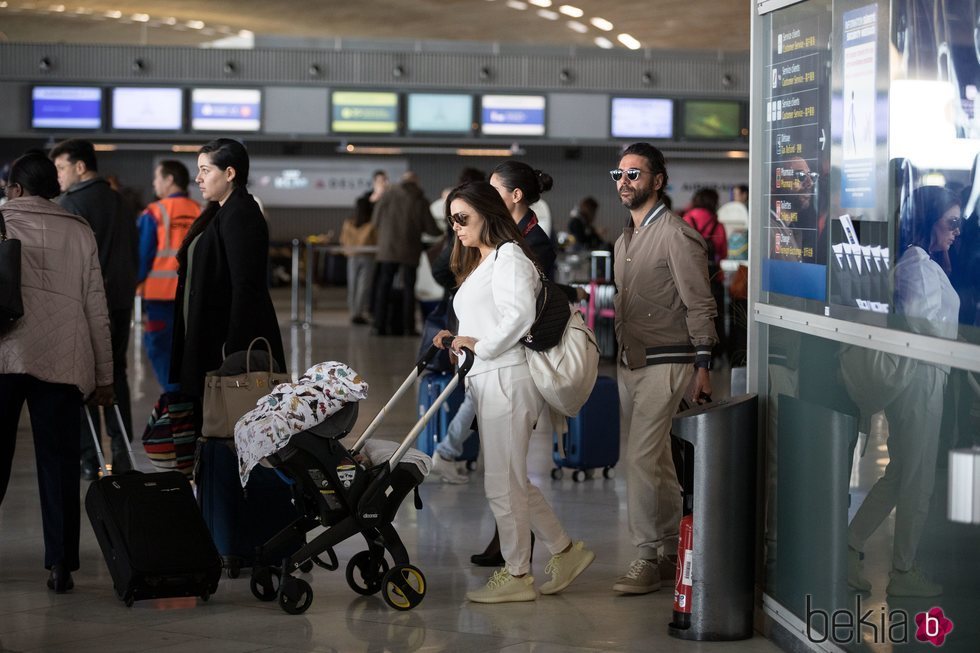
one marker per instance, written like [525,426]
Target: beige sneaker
[504,588]
[642,577]
[448,470]
[565,567]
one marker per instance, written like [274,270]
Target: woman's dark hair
[926,206]
[498,226]
[587,208]
[654,157]
[228,153]
[517,174]
[362,211]
[705,198]
[224,153]
[35,174]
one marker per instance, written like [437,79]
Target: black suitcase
[152,534]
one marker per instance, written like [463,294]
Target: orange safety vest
[174,217]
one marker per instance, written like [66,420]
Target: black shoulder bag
[550,316]
[11,303]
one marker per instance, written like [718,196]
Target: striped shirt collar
[654,213]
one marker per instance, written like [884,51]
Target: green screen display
[712,119]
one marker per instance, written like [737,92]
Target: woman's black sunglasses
[458,218]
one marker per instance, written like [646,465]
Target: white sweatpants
[507,405]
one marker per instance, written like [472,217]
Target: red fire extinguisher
[683,582]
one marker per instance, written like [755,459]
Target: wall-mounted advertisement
[642,118]
[859,107]
[440,113]
[66,107]
[305,182]
[226,109]
[359,112]
[159,109]
[513,115]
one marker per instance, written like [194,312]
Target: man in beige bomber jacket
[665,329]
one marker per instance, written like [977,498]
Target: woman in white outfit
[495,304]
[930,305]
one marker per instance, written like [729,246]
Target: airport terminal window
[872,142]
[851,434]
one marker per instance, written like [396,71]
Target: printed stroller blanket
[292,408]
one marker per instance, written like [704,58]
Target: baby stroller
[332,489]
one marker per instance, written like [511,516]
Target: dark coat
[539,243]
[229,296]
[115,234]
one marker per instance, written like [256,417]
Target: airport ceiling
[721,25]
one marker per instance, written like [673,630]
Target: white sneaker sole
[525,595]
[636,589]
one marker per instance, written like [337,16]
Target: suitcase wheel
[265,583]
[608,472]
[578,475]
[557,473]
[306,567]
[295,595]
[404,587]
[366,574]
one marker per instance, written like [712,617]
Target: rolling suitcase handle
[98,444]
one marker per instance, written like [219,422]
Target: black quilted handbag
[11,304]
[551,317]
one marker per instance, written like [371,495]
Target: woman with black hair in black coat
[223,300]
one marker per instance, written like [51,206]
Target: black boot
[491,556]
[60,579]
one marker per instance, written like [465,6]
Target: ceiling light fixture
[548,14]
[576,26]
[113,14]
[569,10]
[604,43]
[541,3]
[141,18]
[195,24]
[601,23]
[629,41]
[517,4]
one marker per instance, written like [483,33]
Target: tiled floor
[454,523]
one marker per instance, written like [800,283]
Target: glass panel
[857,463]
[871,143]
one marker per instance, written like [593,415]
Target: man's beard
[638,198]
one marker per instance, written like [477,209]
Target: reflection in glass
[926,298]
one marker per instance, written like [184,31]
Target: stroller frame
[334,491]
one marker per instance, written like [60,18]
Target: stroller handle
[465,363]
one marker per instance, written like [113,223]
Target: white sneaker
[504,588]
[642,577]
[448,470]
[565,567]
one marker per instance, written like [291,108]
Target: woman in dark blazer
[223,299]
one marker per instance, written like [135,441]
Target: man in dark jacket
[401,216]
[88,195]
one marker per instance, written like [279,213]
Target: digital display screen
[513,115]
[712,119]
[443,113]
[226,109]
[642,118]
[66,107]
[148,108]
[360,112]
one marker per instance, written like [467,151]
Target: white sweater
[496,305]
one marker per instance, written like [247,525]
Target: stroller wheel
[306,567]
[295,596]
[365,573]
[265,583]
[404,587]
